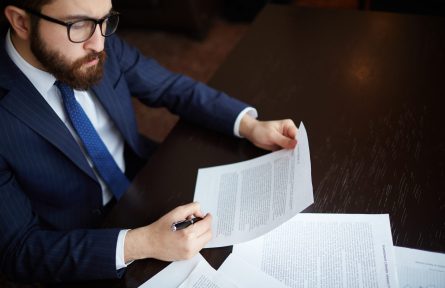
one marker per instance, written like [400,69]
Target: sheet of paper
[326,250]
[417,268]
[204,276]
[250,198]
[174,274]
[246,275]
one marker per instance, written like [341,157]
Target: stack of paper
[197,272]
[260,199]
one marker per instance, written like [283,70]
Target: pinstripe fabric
[50,199]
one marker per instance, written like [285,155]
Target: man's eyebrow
[82,16]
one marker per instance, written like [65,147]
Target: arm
[29,252]
[158,87]
[194,101]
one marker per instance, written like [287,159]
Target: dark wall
[191,16]
[186,15]
[425,7]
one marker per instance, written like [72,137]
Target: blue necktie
[104,163]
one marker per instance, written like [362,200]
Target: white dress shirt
[110,135]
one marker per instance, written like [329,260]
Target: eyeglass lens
[82,30]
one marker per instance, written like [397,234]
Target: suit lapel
[26,103]
[115,107]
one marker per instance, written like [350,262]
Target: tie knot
[65,90]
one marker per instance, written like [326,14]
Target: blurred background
[194,37]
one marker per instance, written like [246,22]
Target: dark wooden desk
[370,88]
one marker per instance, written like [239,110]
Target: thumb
[285,142]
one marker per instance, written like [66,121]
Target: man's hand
[158,241]
[269,135]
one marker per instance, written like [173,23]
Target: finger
[291,130]
[203,238]
[291,143]
[184,211]
[284,142]
[196,245]
[199,214]
[268,146]
[201,227]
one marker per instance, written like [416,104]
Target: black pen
[179,225]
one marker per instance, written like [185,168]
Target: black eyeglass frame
[69,24]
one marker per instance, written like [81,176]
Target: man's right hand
[157,240]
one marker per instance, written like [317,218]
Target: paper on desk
[174,274]
[326,250]
[246,275]
[250,198]
[204,276]
[417,268]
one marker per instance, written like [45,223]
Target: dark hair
[32,4]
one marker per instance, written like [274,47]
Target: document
[174,274]
[246,275]
[417,268]
[204,276]
[248,199]
[326,250]
[196,273]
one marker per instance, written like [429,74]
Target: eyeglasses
[83,29]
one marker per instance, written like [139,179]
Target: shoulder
[117,47]
[3,92]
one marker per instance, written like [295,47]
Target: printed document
[246,275]
[204,276]
[417,268]
[174,274]
[196,273]
[248,199]
[326,250]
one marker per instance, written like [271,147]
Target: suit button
[96,212]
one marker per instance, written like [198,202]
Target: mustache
[94,56]
[90,57]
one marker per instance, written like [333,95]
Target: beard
[73,74]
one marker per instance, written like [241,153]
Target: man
[68,135]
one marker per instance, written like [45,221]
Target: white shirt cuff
[251,111]
[120,257]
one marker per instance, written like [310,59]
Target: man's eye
[80,25]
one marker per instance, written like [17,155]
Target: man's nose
[96,42]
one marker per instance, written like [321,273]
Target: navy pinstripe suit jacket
[48,192]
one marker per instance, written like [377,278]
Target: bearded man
[69,145]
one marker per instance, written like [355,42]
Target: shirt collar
[42,81]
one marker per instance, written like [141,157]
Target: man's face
[79,65]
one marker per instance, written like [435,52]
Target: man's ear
[19,21]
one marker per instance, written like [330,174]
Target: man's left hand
[269,135]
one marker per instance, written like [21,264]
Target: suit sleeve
[30,253]
[158,87]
